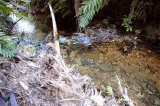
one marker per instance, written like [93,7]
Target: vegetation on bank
[85,10]
[7,47]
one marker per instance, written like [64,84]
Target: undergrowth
[7,47]
[87,10]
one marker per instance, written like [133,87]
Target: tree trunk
[76,5]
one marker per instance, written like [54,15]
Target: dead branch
[124,93]
[55,32]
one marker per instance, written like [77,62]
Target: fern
[4,8]
[87,10]
[7,47]
[139,9]
[63,7]
[84,14]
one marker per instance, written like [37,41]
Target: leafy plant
[4,8]
[4,11]
[138,11]
[87,10]
[7,47]
[127,24]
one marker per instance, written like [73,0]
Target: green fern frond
[62,6]
[7,51]
[87,10]
[139,9]
[7,47]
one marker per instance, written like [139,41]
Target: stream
[102,53]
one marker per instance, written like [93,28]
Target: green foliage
[127,24]
[7,47]
[138,11]
[4,8]
[87,10]
[120,100]
[63,6]
[4,11]
[84,14]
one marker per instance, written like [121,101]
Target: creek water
[104,57]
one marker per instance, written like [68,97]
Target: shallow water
[138,68]
[22,25]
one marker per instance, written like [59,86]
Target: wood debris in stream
[50,83]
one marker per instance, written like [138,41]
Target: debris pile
[45,80]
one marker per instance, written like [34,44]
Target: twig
[124,94]
[70,100]
[17,21]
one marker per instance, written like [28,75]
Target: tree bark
[76,5]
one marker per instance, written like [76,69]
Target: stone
[106,67]
[62,39]
[81,39]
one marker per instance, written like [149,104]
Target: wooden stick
[123,93]
[55,32]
